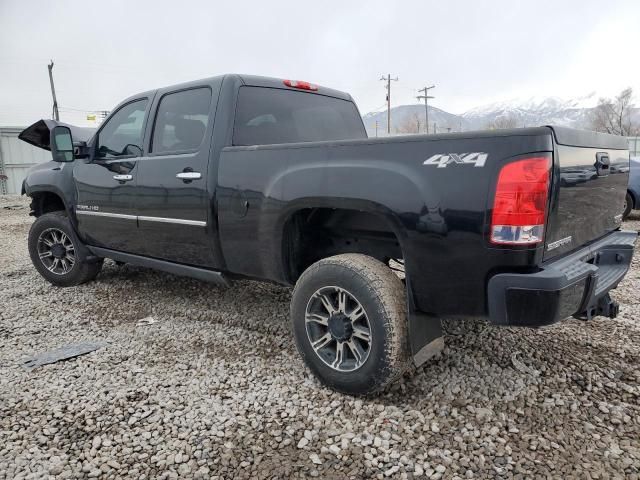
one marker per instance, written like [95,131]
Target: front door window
[121,136]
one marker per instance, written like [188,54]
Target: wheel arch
[321,215]
[45,200]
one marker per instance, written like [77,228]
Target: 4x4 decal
[477,159]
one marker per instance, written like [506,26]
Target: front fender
[54,177]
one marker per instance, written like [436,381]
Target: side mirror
[80,150]
[61,144]
[132,149]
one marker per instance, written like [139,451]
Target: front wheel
[348,314]
[55,252]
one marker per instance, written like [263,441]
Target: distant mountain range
[403,114]
[535,111]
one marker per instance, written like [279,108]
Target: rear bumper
[577,285]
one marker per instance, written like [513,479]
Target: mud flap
[425,333]
[425,337]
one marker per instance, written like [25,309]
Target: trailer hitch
[606,306]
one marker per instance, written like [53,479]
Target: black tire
[371,284]
[628,206]
[80,271]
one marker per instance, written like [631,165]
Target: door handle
[602,164]
[123,178]
[188,176]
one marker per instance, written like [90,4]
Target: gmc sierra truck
[249,177]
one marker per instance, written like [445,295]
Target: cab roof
[249,80]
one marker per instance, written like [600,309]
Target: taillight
[301,85]
[520,204]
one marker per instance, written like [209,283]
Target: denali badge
[87,207]
[478,159]
[559,243]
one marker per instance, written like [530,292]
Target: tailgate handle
[602,164]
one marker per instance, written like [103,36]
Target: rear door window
[270,116]
[181,121]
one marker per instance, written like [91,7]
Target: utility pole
[376,128]
[388,80]
[426,97]
[54,113]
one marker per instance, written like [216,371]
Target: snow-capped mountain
[534,111]
[573,112]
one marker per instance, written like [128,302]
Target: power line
[80,110]
[426,98]
[388,80]
[378,109]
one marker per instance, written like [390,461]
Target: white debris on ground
[215,388]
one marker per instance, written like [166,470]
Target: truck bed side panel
[438,213]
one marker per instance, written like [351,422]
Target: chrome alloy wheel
[338,329]
[56,251]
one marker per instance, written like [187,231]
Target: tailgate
[591,174]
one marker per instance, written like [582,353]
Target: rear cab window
[266,116]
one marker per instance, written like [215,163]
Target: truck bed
[440,211]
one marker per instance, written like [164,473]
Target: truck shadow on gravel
[476,352]
[253,308]
[148,292]
[504,364]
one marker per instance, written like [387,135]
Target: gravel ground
[215,388]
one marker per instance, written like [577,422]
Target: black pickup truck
[249,177]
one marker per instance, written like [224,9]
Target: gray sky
[475,52]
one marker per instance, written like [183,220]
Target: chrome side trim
[105,214]
[180,221]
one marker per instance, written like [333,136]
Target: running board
[163,265]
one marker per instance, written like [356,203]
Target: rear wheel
[349,320]
[56,253]
[628,206]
